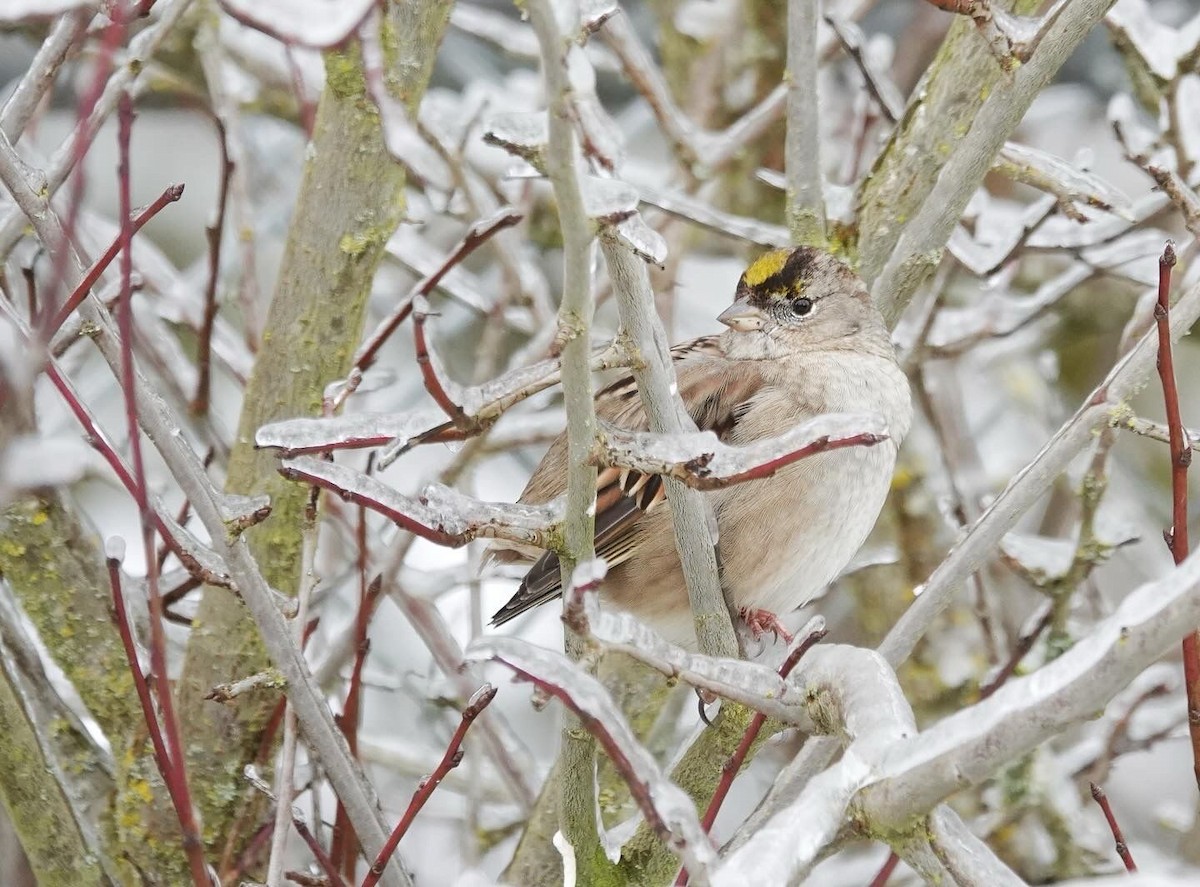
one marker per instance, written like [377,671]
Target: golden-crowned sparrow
[804,339]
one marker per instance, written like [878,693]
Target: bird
[803,338]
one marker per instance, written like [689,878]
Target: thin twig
[885,871]
[192,844]
[483,696]
[213,234]
[114,555]
[1181,458]
[170,195]
[477,235]
[1122,848]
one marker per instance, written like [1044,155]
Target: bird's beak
[742,316]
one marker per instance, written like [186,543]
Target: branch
[440,514]
[577,792]
[703,462]
[454,755]
[692,517]
[923,238]
[1101,798]
[1181,458]
[802,151]
[668,810]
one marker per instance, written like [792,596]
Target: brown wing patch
[718,396]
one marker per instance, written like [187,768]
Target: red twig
[884,873]
[177,776]
[213,233]
[1024,644]
[477,235]
[731,768]
[478,702]
[104,447]
[344,850]
[425,361]
[699,481]
[1181,458]
[114,33]
[170,195]
[401,519]
[318,852]
[1118,837]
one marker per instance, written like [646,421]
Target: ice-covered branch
[665,806]
[1012,38]
[703,462]
[565,71]
[894,774]
[440,514]
[1002,102]
[480,407]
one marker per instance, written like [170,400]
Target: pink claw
[762,621]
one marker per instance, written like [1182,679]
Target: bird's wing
[716,397]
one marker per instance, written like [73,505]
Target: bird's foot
[762,621]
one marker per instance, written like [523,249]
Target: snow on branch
[702,461]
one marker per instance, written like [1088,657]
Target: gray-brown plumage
[803,339]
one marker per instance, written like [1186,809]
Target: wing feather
[717,395]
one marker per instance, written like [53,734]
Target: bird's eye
[800,307]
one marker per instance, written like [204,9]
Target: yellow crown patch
[766,265]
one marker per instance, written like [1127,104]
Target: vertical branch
[214,235]
[655,379]
[285,788]
[1181,458]
[174,767]
[805,200]
[577,790]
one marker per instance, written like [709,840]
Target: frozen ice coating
[440,513]
[642,239]
[523,133]
[16,10]
[315,23]
[590,572]
[532,518]
[308,435]
[788,843]
[703,457]
[1160,46]
[608,198]
[114,548]
[592,13]
[750,683]
[587,695]
[1074,183]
